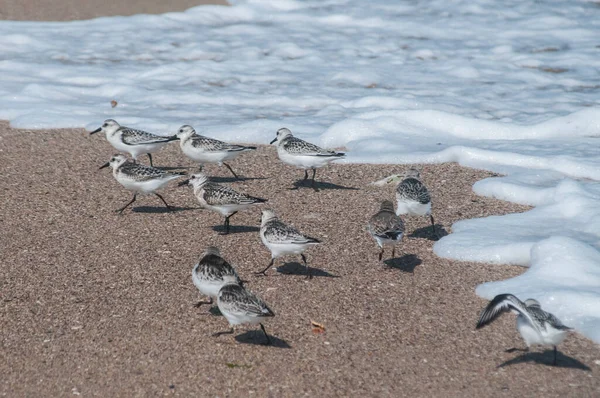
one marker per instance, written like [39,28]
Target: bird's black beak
[99,129]
[104,166]
[183,183]
[273,141]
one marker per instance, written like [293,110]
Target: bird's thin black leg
[312,184]
[305,175]
[264,271]
[230,331]
[381,253]
[150,157]
[199,303]
[163,200]
[127,205]
[266,335]
[554,363]
[227,223]
[393,251]
[433,226]
[230,169]
[308,273]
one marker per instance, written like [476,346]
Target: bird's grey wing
[140,172]
[139,137]
[413,189]
[544,317]
[208,144]
[215,267]
[215,194]
[296,146]
[386,225]
[278,232]
[504,303]
[237,300]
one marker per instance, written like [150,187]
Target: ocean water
[511,86]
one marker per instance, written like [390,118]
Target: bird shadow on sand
[236,229]
[547,358]
[221,180]
[427,232]
[160,209]
[320,185]
[257,337]
[406,263]
[299,269]
[214,310]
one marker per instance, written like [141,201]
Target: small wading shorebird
[219,198]
[535,325]
[135,142]
[211,273]
[208,150]
[413,197]
[240,306]
[302,154]
[386,227]
[139,178]
[282,239]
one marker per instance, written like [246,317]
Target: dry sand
[101,304]
[98,304]
[67,10]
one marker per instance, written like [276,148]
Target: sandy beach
[102,304]
[93,303]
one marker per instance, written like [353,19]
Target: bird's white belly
[530,334]
[143,187]
[208,288]
[239,319]
[281,249]
[224,210]
[388,242]
[202,156]
[413,208]
[305,162]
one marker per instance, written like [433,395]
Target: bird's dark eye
[181,130]
[105,125]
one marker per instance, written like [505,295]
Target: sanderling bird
[302,154]
[220,198]
[139,178]
[211,273]
[386,227]
[282,239]
[240,306]
[208,150]
[535,325]
[135,142]
[413,197]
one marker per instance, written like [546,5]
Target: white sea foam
[509,86]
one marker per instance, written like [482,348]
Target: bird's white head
[115,161]
[413,173]
[532,303]
[387,206]
[197,180]
[185,132]
[109,127]
[267,215]
[281,135]
[211,250]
